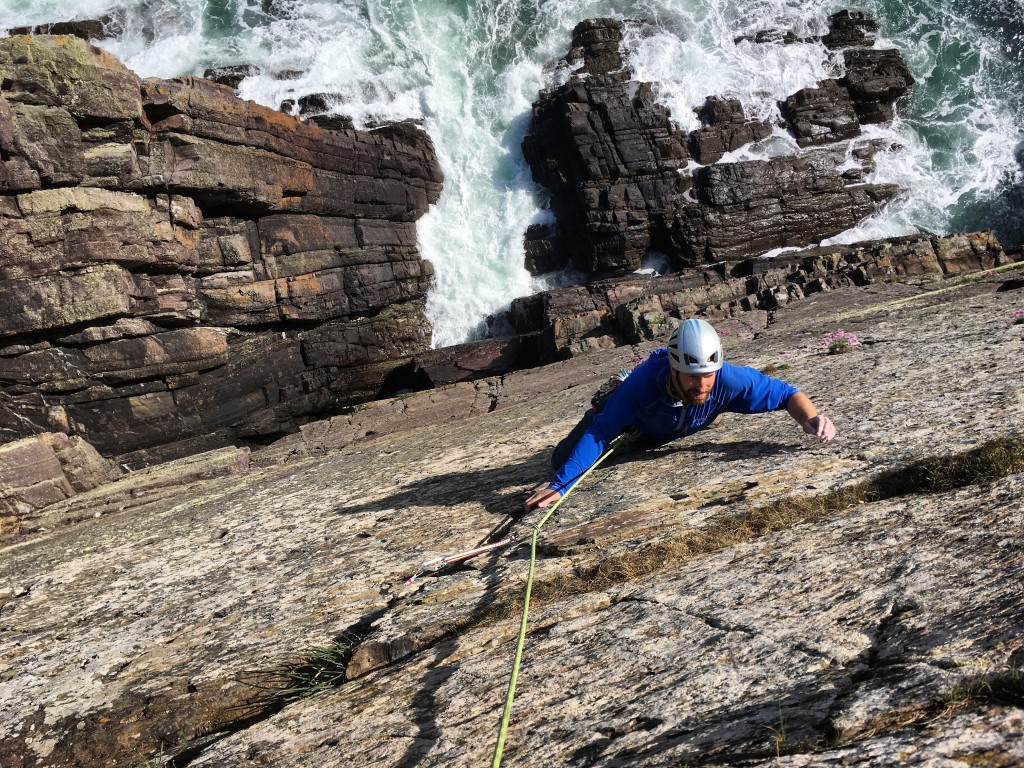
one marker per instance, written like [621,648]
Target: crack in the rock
[722,625]
[313,672]
[867,663]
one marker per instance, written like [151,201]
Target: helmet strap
[670,386]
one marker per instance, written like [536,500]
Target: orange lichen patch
[280,118]
[10,524]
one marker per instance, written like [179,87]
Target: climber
[677,391]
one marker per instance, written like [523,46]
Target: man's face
[693,388]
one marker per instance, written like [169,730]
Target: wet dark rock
[851,29]
[772,37]
[876,80]
[611,158]
[595,46]
[231,76]
[543,255]
[331,122]
[724,128]
[86,29]
[315,103]
[821,115]
[620,176]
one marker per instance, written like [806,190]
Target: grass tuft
[1005,688]
[317,670]
[990,461]
[1002,688]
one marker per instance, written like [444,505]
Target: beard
[689,395]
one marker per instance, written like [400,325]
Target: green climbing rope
[507,714]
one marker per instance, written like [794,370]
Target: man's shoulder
[738,373]
[748,384]
[740,378]
[647,377]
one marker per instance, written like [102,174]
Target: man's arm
[613,418]
[806,415]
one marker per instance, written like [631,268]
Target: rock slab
[164,621]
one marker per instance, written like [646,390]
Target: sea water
[468,73]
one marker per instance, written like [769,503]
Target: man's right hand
[821,427]
[541,499]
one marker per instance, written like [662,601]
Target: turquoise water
[469,71]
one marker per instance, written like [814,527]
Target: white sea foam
[706,59]
[468,72]
[27,13]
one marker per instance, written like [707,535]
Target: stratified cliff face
[746,596]
[566,322]
[619,171]
[181,268]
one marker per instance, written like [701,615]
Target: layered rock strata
[36,472]
[181,268]
[575,320]
[625,181]
[605,313]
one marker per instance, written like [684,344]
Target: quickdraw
[438,563]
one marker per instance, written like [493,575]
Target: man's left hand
[541,499]
[821,427]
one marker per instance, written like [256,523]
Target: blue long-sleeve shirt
[643,402]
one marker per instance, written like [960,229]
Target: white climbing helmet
[695,348]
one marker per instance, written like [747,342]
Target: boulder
[31,477]
[595,47]
[821,115]
[87,29]
[42,470]
[724,128]
[876,79]
[851,29]
[231,76]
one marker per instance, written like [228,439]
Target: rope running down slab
[507,714]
